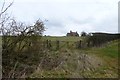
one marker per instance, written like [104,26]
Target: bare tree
[4,17]
[23,40]
[83,33]
[4,9]
[21,44]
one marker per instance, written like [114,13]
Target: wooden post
[57,44]
[44,44]
[47,45]
[80,44]
[50,44]
[88,43]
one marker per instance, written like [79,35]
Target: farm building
[72,34]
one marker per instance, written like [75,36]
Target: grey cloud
[107,25]
[82,21]
[65,15]
[54,23]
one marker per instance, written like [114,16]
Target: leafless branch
[4,10]
[3,6]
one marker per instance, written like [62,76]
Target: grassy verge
[109,54]
[104,59]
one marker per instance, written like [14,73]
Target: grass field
[64,38]
[96,62]
[69,62]
[109,54]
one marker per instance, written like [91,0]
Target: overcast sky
[66,15]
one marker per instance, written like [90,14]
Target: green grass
[64,42]
[108,54]
[108,50]
[0,41]
[64,38]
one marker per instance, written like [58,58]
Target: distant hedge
[99,38]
